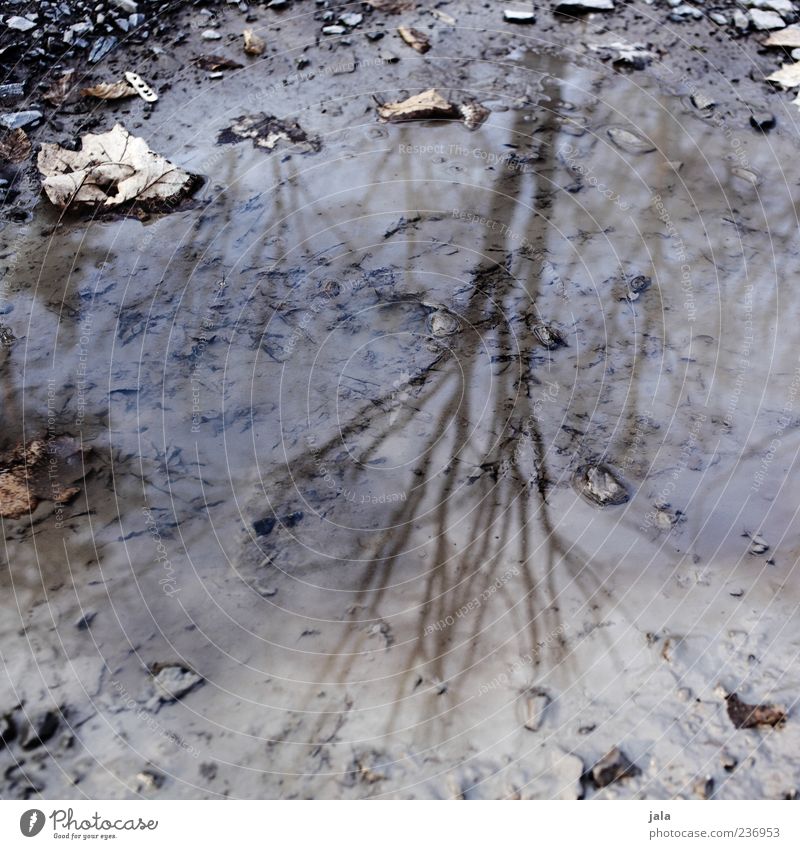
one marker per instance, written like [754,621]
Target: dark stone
[41,729]
[764,121]
[615,766]
[264,527]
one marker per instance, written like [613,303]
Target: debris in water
[266,131]
[170,682]
[351,19]
[636,286]
[537,701]
[210,62]
[44,469]
[637,56]
[743,715]
[15,146]
[392,7]
[110,91]
[549,336]
[702,101]
[746,174]
[442,322]
[599,485]
[615,766]
[629,141]
[473,114]
[788,76]
[512,16]
[254,45]
[758,545]
[414,38]
[109,170]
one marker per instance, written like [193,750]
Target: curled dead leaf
[109,170]
[253,44]
[44,469]
[216,63]
[414,38]
[110,91]
[60,90]
[428,104]
[431,104]
[15,146]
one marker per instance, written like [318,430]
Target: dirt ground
[413,460]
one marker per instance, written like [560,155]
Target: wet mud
[419,461]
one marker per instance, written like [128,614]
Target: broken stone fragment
[428,104]
[765,20]
[512,16]
[615,766]
[170,683]
[599,485]
[18,120]
[743,715]
[537,701]
[764,121]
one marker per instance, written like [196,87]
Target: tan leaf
[110,169]
[110,91]
[428,104]
[414,38]
[789,37]
[391,7]
[216,63]
[60,90]
[44,469]
[15,146]
[788,76]
[253,44]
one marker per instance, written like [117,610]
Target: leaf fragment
[110,91]
[15,146]
[414,38]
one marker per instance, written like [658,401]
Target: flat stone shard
[629,141]
[170,683]
[110,169]
[419,107]
[583,7]
[599,485]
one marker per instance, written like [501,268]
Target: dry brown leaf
[110,91]
[788,76]
[789,37]
[392,7]
[60,90]
[743,715]
[216,63]
[15,146]
[41,470]
[110,169]
[428,104]
[414,38]
[253,44]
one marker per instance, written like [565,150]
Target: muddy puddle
[437,454]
